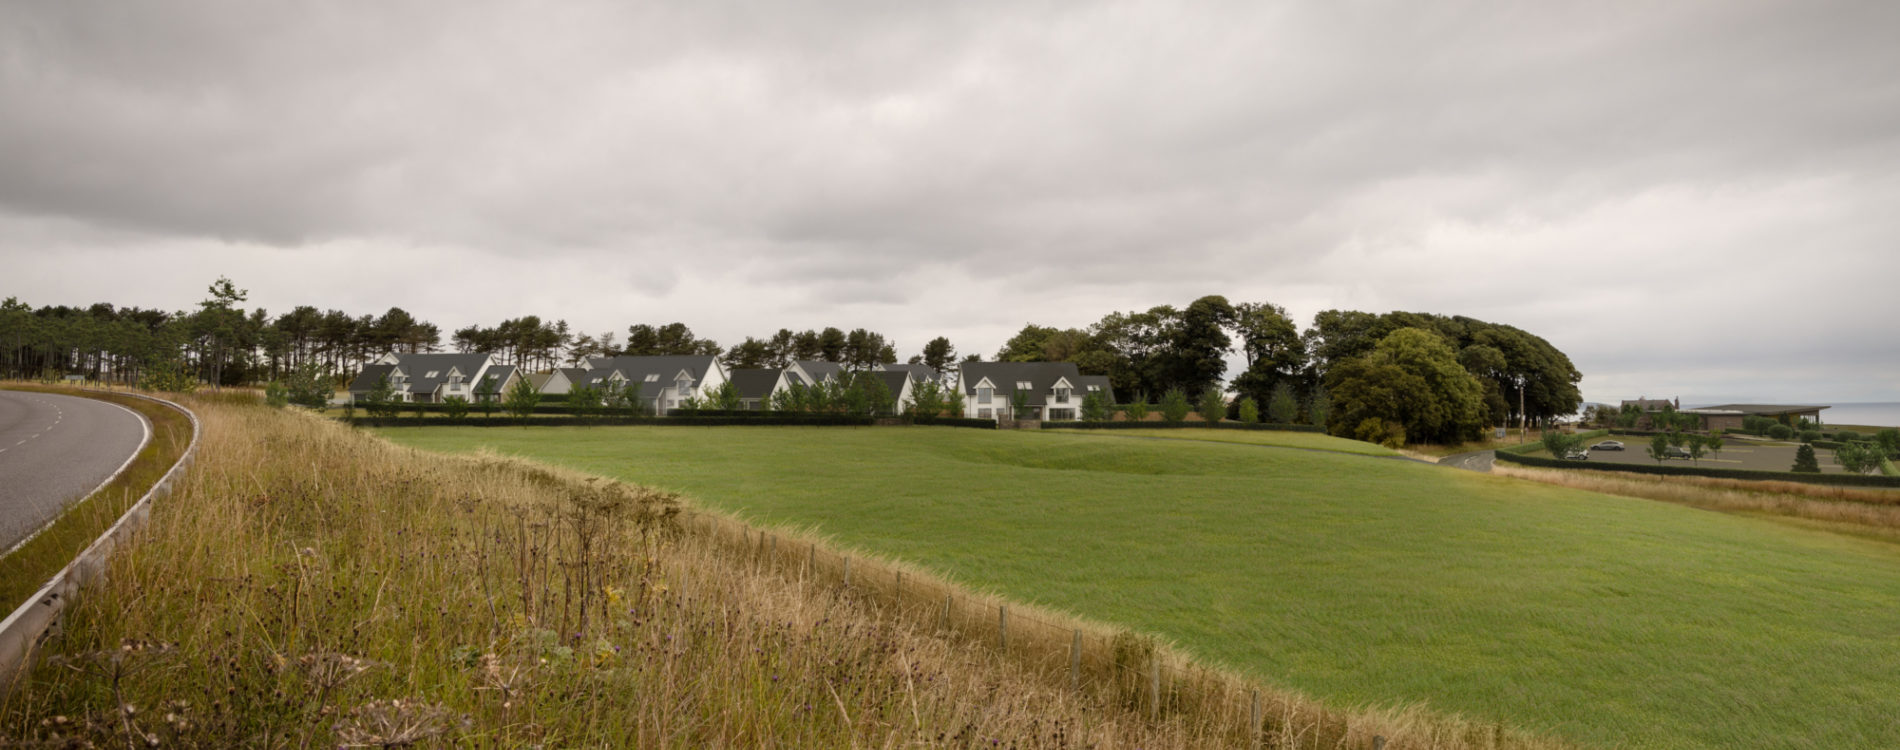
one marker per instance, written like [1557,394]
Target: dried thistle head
[401,722]
[330,670]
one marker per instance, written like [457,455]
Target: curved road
[55,450]
[1474,461]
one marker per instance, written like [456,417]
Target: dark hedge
[1196,424]
[1849,480]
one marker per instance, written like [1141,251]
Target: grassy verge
[29,567]
[310,586]
[1306,440]
[1877,508]
[1600,619]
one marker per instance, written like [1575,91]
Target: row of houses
[1051,390]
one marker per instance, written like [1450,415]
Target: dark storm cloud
[1585,171]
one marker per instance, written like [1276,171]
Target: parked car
[1675,451]
[1578,454]
[1608,445]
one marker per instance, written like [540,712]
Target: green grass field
[1606,620]
[1307,440]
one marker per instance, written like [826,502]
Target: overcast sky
[1690,199]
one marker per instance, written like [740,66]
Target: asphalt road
[55,450]
[1474,461]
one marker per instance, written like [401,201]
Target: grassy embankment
[310,586]
[1600,619]
[29,567]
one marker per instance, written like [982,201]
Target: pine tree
[1804,460]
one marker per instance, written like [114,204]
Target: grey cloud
[1533,164]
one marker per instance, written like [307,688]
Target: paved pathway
[55,450]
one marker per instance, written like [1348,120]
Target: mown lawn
[1308,440]
[1606,620]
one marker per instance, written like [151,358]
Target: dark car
[1608,445]
[1675,451]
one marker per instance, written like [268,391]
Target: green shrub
[1780,431]
[455,407]
[1249,411]
[1809,436]
[1137,410]
[1858,458]
[1174,405]
[276,395]
[1847,436]
[1213,405]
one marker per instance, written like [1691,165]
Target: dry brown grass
[311,586]
[1872,508]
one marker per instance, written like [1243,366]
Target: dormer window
[984,393]
[1061,394]
[685,386]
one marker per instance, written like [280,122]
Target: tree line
[1388,377]
[220,342]
[1380,377]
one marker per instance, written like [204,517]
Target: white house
[427,378]
[1052,390]
[664,381]
[900,384]
[757,387]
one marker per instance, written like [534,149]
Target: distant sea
[1881,414]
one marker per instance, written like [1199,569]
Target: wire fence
[1123,669]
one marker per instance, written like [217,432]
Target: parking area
[1738,454]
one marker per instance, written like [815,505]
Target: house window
[433,373]
[983,394]
[1061,415]
[653,377]
[1095,389]
[685,387]
[398,378]
[984,414]
[455,380]
[1024,385]
[1061,394]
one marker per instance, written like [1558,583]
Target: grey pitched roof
[1097,380]
[918,372]
[371,375]
[581,376]
[1005,375]
[819,369]
[539,380]
[755,383]
[497,373]
[636,369]
[420,366]
[895,380]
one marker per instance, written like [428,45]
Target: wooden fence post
[1002,626]
[949,600]
[1154,687]
[1253,721]
[847,572]
[811,565]
[1075,662]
